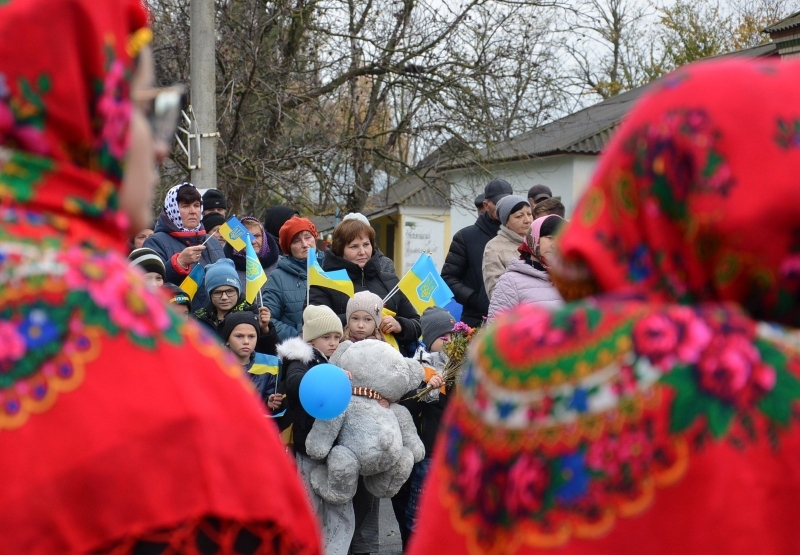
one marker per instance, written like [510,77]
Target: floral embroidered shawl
[122,425]
[660,414]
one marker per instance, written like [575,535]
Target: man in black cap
[479,204]
[462,269]
[214,201]
[538,193]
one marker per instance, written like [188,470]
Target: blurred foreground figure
[657,412]
[123,427]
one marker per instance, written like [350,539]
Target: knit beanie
[213,198]
[276,216]
[319,320]
[222,272]
[212,220]
[292,227]
[235,318]
[435,322]
[508,205]
[148,260]
[370,303]
[178,296]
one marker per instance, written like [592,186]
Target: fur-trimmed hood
[297,349]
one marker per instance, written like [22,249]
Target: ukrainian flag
[192,282]
[423,285]
[255,278]
[389,337]
[338,280]
[234,232]
[265,364]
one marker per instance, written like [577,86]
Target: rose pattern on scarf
[680,155]
[666,338]
[22,118]
[67,301]
[114,111]
[592,440]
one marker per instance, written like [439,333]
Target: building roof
[784,24]
[583,132]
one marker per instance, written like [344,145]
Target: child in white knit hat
[322,331]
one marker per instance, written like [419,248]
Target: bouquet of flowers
[456,350]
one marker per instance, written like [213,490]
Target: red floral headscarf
[684,207]
[655,415]
[64,105]
[106,447]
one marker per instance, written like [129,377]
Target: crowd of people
[303,325]
[636,388]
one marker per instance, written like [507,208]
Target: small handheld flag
[337,280]
[192,282]
[255,278]
[423,286]
[389,337]
[234,232]
[265,364]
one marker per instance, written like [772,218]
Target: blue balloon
[325,391]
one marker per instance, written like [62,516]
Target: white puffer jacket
[521,284]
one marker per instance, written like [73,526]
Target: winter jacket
[207,316]
[168,242]
[285,296]
[463,268]
[370,278]
[385,263]
[268,262]
[297,357]
[498,253]
[523,283]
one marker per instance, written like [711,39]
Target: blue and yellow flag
[423,285]
[265,364]
[338,280]
[193,280]
[234,232]
[255,278]
[389,337]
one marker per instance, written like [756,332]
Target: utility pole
[203,94]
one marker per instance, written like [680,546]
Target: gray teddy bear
[368,439]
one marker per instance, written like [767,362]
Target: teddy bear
[368,439]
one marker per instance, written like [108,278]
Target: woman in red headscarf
[123,427]
[657,412]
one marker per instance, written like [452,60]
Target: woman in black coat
[353,249]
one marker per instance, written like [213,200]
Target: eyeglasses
[230,293]
[163,109]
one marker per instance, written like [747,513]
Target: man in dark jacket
[462,270]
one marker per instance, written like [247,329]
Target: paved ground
[390,535]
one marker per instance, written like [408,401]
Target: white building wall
[566,175]
[583,169]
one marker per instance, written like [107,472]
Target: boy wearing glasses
[225,297]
